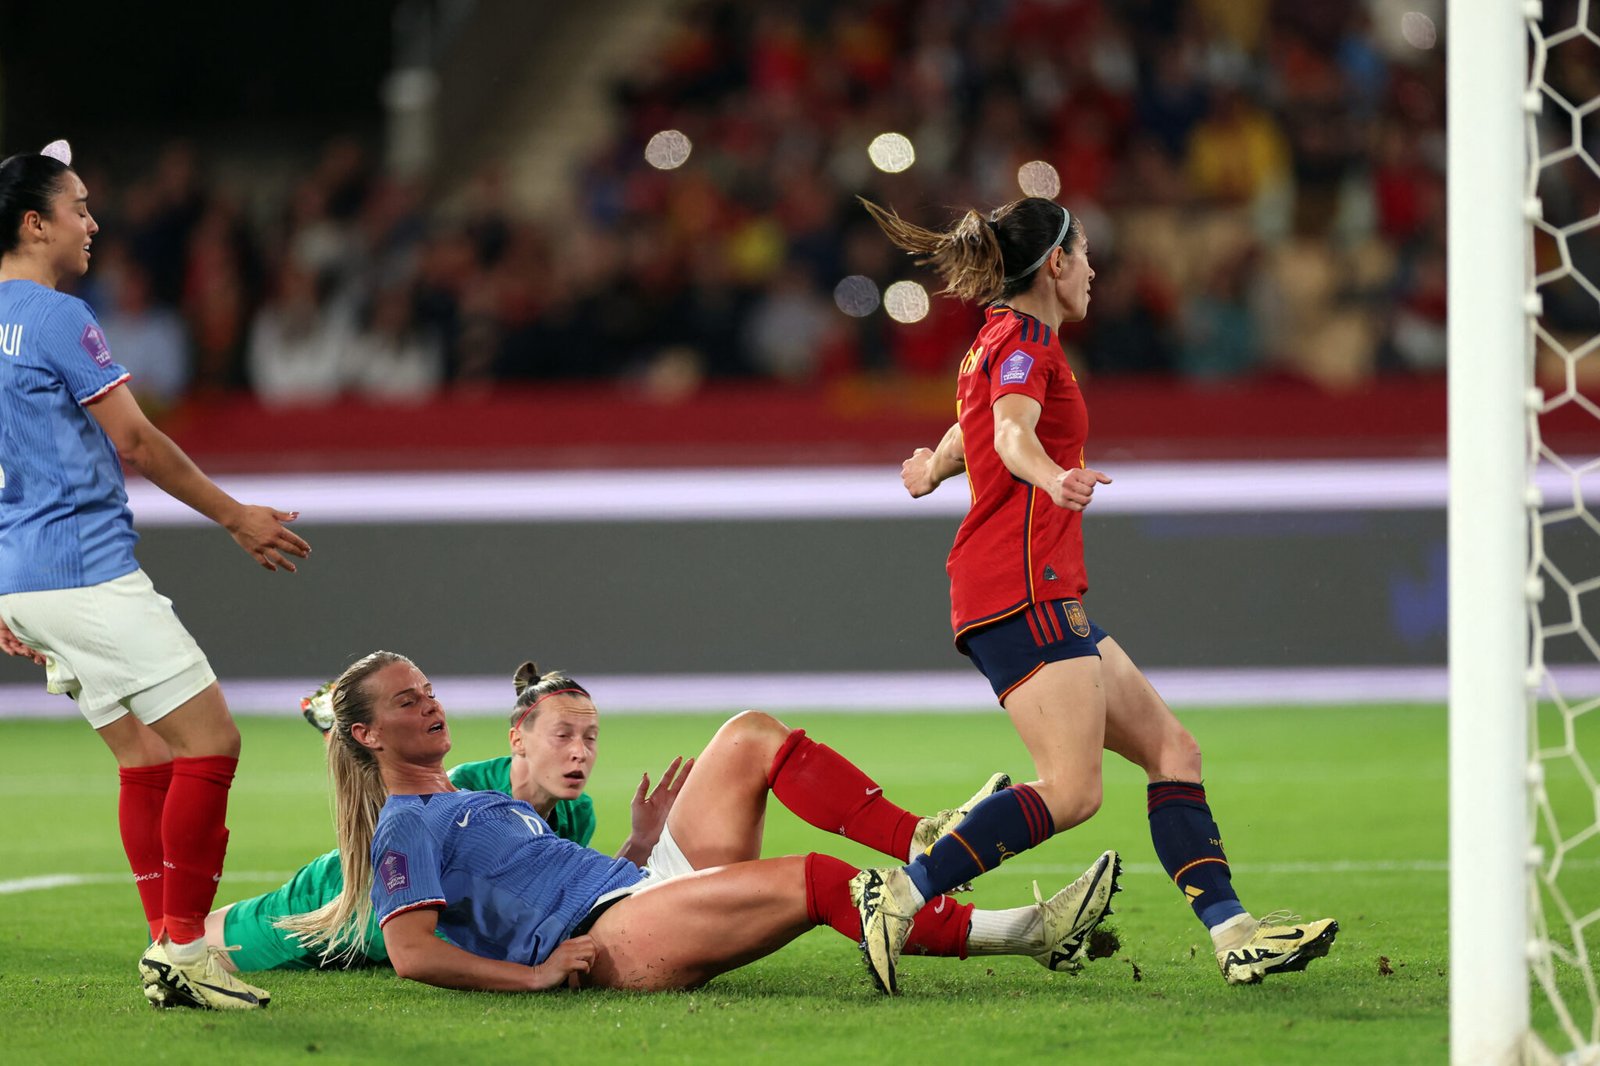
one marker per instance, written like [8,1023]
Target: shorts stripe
[1033,627]
[1048,617]
[1020,682]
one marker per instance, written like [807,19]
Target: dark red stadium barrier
[856,421]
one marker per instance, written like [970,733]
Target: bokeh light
[856,295]
[1039,178]
[668,150]
[891,152]
[906,301]
[1418,29]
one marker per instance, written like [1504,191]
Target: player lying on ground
[553,751]
[525,909]
[1017,583]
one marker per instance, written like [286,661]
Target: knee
[756,729]
[1071,802]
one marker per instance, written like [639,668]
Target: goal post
[1489,381]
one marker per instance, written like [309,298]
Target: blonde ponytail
[338,929]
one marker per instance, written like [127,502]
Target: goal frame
[1489,382]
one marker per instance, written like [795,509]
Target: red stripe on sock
[1037,812]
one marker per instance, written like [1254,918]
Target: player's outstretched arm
[418,955]
[1016,441]
[927,469]
[260,531]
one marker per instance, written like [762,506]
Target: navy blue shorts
[1013,649]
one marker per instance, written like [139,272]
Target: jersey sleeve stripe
[417,906]
[87,400]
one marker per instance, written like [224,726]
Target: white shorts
[666,862]
[114,647]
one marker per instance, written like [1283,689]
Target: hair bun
[526,677]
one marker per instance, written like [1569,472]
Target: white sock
[1233,932]
[1018,931]
[186,954]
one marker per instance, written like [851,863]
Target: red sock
[940,927]
[194,838]
[139,806]
[826,789]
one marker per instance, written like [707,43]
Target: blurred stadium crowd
[1262,183]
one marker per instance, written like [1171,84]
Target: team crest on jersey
[94,342]
[392,870]
[1015,370]
[1076,618]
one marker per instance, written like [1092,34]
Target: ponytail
[985,259]
[339,928]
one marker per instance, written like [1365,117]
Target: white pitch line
[1334,867]
[48,881]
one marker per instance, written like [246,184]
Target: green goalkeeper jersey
[262,946]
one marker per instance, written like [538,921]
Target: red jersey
[1015,548]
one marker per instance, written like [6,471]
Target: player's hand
[650,808]
[569,959]
[261,532]
[12,645]
[1074,489]
[916,473]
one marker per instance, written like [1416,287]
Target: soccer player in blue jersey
[524,909]
[72,595]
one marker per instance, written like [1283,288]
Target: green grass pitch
[1336,812]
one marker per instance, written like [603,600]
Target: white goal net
[1562,211]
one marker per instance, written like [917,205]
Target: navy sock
[1189,845]
[1008,822]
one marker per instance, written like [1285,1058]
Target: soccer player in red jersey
[1016,590]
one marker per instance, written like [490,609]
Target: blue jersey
[64,519]
[506,887]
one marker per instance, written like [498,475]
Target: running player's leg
[720,814]
[1059,712]
[144,765]
[1142,729]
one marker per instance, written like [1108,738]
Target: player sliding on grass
[1016,589]
[72,596]
[553,741]
[526,909]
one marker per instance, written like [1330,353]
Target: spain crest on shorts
[1077,618]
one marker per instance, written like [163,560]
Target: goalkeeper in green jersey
[551,758]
